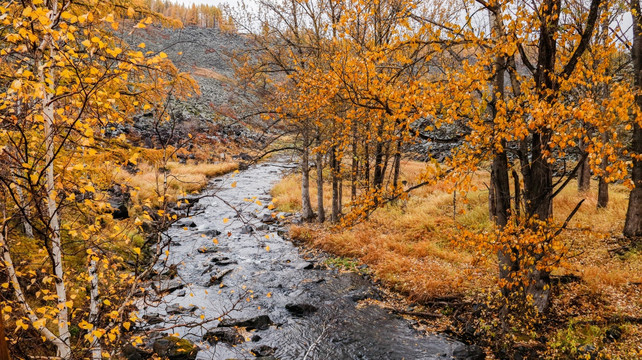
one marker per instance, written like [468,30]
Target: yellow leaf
[234,184]
[126,325]
[137,250]
[131,12]
[225,220]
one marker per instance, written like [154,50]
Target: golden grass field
[415,248]
[148,183]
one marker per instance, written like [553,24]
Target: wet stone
[261,322]
[218,278]
[210,232]
[167,286]
[175,309]
[223,335]
[263,351]
[175,348]
[263,227]
[185,222]
[301,309]
[153,319]
[208,249]
[223,261]
[131,352]
[268,219]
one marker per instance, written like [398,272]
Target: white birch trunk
[96,350]
[48,111]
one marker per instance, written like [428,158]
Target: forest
[321,179]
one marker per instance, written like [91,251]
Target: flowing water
[261,274]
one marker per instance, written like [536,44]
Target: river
[248,270]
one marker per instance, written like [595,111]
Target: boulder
[301,309]
[260,322]
[175,348]
[131,352]
[223,335]
[118,199]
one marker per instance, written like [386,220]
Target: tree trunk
[355,164]
[306,205]
[335,186]
[518,195]
[321,209]
[4,347]
[584,172]
[378,166]
[25,209]
[603,186]
[366,164]
[633,223]
[64,349]
[96,350]
[397,166]
[24,305]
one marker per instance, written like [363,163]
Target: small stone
[175,309]
[208,249]
[218,278]
[247,229]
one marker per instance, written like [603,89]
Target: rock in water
[263,350]
[225,335]
[301,309]
[216,279]
[130,352]
[268,219]
[260,322]
[208,249]
[175,348]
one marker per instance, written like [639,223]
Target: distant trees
[203,15]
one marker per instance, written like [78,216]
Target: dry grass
[408,245]
[415,248]
[149,181]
